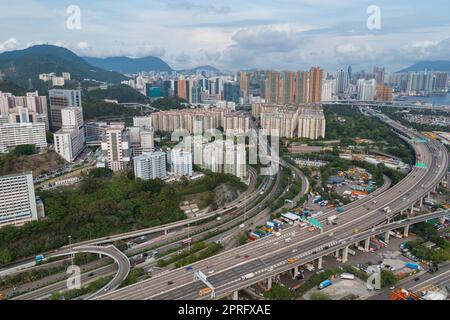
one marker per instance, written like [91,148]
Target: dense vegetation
[121,93]
[279,292]
[102,206]
[168,103]
[427,232]
[92,287]
[346,123]
[8,86]
[397,115]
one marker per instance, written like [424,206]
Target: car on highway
[204,292]
[247,256]
[170,282]
[90,274]
[188,268]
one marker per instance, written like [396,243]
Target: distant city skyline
[233,35]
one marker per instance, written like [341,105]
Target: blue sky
[278,34]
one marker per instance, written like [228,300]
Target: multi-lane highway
[269,256]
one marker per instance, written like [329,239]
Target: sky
[238,34]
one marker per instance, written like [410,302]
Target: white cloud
[8,45]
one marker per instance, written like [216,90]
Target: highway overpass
[225,271]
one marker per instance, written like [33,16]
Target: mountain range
[129,65]
[21,65]
[439,65]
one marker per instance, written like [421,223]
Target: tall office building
[315,85]
[116,147]
[180,162]
[379,75]
[342,81]
[17,199]
[150,166]
[60,99]
[69,141]
[311,124]
[231,92]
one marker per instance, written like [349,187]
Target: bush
[279,292]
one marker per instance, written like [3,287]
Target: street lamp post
[70,246]
[189,241]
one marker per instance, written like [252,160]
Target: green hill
[21,65]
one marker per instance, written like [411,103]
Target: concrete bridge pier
[235,295]
[336,254]
[387,236]
[442,220]
[406,231]
[295,272]
[319,263]
[166,231]
[269,283]
[345,255]
[366,244]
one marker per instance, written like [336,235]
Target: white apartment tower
[17,199]
[116,147]
[311,124]
[69,141]
[180,162]
[150,166]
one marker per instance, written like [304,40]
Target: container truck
[324,284]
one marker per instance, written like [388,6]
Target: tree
[24,150]
[279,292]
[388,279]
[5,256]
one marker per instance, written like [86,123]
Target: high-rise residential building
[17,199]
[315,85]
[367,89]
[33,102]
[60,99]
[150,166]
[274,88]
[301,88]
[235,159]
[384,93]
[180,162]
[236,121]
[328,88]
[143,122]
[379,74]
[212,158]
[243,83]
[311,124]
[181,88]
[116,147]
[16,129]
[281,121]
[69,141]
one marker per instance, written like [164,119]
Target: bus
[186,241]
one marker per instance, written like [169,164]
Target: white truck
[332,220]
[248,276]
